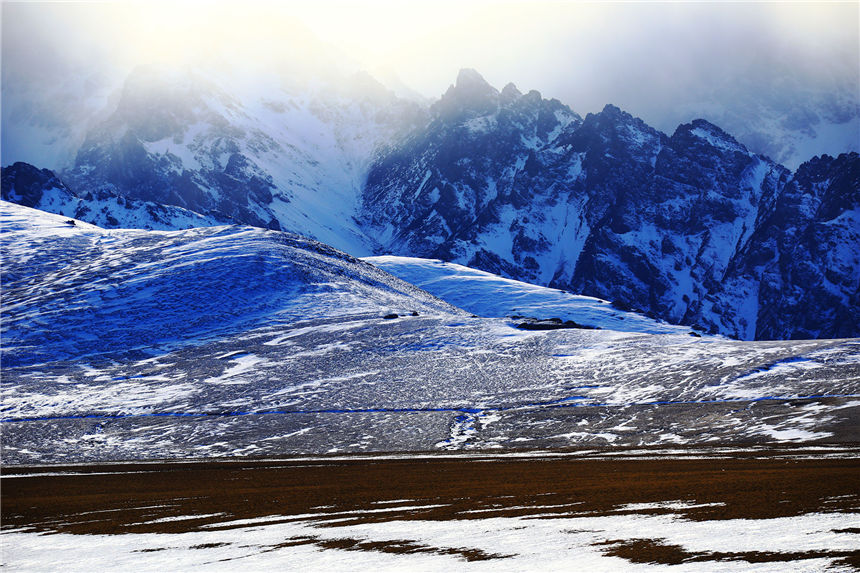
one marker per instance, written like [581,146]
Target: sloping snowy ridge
[230,341]
[492,296]
[73,290]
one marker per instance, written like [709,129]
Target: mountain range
[692,228]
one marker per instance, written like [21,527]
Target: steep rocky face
[26,185]
[799,275]
[42,189]
[468,171]
[674,220]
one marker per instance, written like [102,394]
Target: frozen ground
[231,341]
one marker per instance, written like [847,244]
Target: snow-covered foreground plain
[494,544]
[231,341]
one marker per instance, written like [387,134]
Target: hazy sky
[640,56]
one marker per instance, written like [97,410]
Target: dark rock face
[802,265]
[550,324]
[677,217]
[102,206]
[24,184]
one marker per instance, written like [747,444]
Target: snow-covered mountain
[606,206]
[450,176]
[238,341]
[798,276]
[501,181]
[42,189]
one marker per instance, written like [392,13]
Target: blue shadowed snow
[786,365]
[69,294]
[96,330]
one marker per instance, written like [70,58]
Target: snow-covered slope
[236,341]
[73,290]
[489,295]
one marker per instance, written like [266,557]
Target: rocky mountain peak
[621,132]
[701,131]
[533,96]
[612,118]
[470,79]
[470,97]
[510,94]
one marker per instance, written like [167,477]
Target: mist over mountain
[784,80]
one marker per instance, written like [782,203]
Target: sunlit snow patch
[492,296]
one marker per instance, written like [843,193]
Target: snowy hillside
[492,296]
[236,341]
[131,293]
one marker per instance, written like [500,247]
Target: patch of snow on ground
[518,543]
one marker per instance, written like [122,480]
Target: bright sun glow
[586,52]
[420,38]
[370,32]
